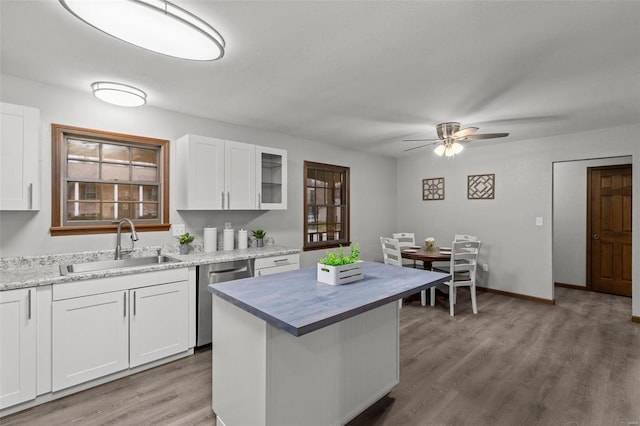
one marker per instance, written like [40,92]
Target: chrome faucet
[134,237]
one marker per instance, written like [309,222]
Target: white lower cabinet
[159,322]
[95,335]
[90,338]
[17,347]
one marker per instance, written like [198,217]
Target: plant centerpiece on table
[259,235]
[338,268]
[429,244]
[184,240]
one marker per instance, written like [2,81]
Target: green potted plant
[338,268]
[184,240]
[259,235]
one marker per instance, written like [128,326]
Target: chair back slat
[465,237]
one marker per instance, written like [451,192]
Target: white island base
[264,376]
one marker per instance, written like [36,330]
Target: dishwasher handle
[229,271]
[228,274]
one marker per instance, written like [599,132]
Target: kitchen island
[289,350]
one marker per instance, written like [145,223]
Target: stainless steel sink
[77,268]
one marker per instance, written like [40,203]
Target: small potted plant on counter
[184,240]
[259,235]
[337,268]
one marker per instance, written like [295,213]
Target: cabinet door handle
[134,302]
[30,196]
[259,201]
[222,194]
[228,201]
[596,237]
[259,273]
[124,304]
[29,308]
[280,260]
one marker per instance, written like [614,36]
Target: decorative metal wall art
[433,189]
[481,187]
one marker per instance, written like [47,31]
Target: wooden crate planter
[343,274]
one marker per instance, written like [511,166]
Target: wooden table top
[428,256]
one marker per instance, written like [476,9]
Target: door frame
[590,170]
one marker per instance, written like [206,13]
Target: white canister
[210,239]
[242,239]
[228,239]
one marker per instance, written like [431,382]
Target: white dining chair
[463,266]
[391,254]
[391,251]
[444,266]
[406,240]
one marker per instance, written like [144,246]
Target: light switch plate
[539,221]
[178,229]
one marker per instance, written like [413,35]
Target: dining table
[427,257]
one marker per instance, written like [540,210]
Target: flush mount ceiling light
[156,25]
[119,94]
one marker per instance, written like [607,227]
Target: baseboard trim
[518,295]
[635,319]
[572,286]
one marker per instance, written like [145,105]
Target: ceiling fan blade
[417,147]
[421,140]
[484,136]
[464,132]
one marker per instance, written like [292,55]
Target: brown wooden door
[609,229]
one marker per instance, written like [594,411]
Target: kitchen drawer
[274,261]
[276,264]
[117,283]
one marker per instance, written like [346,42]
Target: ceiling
[364,74]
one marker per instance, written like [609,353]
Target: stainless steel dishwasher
[215,273]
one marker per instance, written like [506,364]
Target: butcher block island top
[299,304]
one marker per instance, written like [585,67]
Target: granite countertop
[34,271]
[299,304]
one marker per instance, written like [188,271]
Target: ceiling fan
[449,137]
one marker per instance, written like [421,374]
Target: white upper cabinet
[199,173]
[271,173]
[215,174]
[239,176]
[19,158]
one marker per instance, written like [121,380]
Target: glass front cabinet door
[271,188]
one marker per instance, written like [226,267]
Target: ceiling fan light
[118,94]
[449,152]
[439,150]
[457,148]
[155,25]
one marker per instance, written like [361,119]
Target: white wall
[519,253]
[372,177]
[570,218]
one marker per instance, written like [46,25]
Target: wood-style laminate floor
[515,363]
